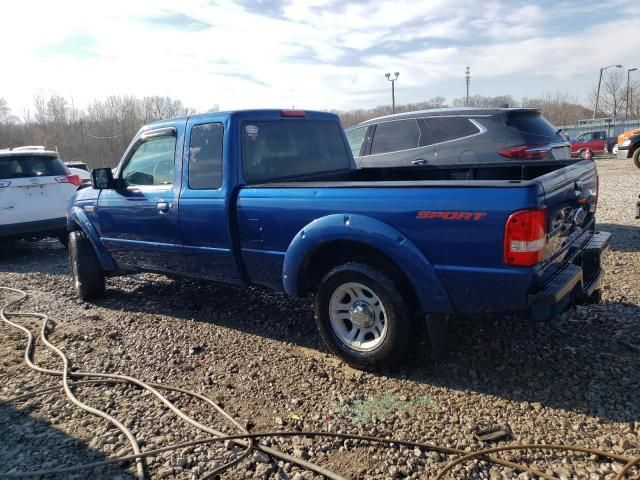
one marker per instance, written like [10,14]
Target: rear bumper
[574,282]
[51,226]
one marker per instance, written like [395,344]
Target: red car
[593,142]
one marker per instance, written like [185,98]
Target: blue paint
[265,234]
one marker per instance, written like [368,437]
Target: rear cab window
[280,149]
[24,166]
[533,127]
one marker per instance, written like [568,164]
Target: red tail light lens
[73,179]
[524,152]
[293,113]
[525,236]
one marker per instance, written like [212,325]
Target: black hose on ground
[244,435]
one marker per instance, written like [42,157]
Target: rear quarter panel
[466,253]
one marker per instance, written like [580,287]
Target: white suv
[35,187]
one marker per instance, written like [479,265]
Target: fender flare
[79,217]
[396,246]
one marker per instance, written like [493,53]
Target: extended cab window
[355,138]
[396,135]
[151,162]
[280,149]
[444,129]
[205,156]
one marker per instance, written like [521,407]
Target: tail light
[525,237]
[72,178]
[525,152]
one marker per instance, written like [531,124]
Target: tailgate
[570,196]
[24,200]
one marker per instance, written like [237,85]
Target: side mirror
[102,178]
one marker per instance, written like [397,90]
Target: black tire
[636,157]
[88,276]
[64,239]
[595,297]
[397,320]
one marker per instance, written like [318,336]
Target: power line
[110,136]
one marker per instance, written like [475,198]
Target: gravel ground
[575,380]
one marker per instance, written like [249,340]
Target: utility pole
[393,90]
[626,115]
[84,147]
[467,77]
[595,110]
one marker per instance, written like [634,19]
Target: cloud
[321,54]
[177,20]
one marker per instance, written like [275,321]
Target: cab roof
[253,114]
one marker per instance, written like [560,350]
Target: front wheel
[88,276]
[362,317]
[636,158]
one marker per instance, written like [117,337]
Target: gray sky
[321,54]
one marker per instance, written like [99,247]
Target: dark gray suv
[453,136]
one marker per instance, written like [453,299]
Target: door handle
[163,207]
[418,161]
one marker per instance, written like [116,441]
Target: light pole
[626,115]
[595,110]
[393,90]
[467,77]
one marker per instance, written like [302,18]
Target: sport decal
[427,215]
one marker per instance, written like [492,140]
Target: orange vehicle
[628,134]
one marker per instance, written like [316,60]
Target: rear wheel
[88,276]
[362,317]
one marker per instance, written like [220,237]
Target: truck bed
[467,256]
[465,175]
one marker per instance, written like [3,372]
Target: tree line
[557,107]
[100,133]
[96,135]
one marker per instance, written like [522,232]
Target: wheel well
[633,149]
[335,253]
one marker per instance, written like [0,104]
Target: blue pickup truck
[273,198]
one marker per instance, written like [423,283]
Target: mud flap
[438,327]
